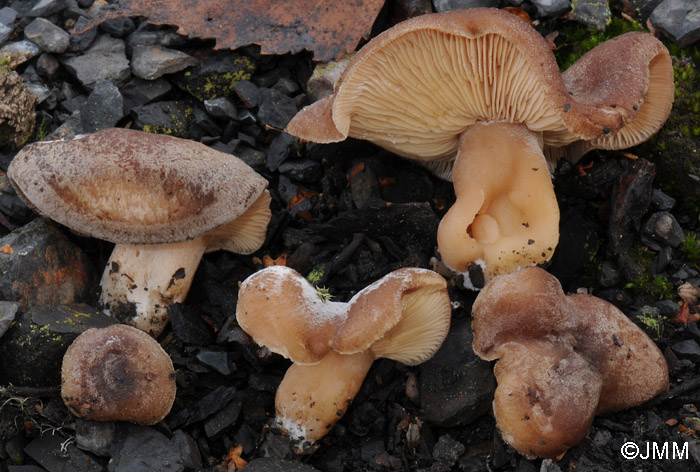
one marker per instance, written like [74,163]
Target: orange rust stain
[6,249]
[357,168]
[279,261]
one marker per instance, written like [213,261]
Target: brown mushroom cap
[414,88]
[404,316]
[282,311]
[117,373]
[562,359]
[132,187]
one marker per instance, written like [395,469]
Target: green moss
[654,287]
[323,294]
[577,39]
[690,248]
[653,321]
[316,275]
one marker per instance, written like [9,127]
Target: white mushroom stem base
[140,282]
[506,213]
[312,398]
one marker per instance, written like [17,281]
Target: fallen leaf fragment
[330,29]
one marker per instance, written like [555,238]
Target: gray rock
[5,32]
[95,436]
[248,92]
[23,47]
[143,449]
[662,229]
[40,91]
[276,109]
[552,7]
[223,418]
[103,109]
[118,27]
[592,13]
[679,20]
[169,117]
[662,201]
[152,62]
[688,349]
[54,452]
[45,8]
[104,60]
[8,311]
[138,92]
[448,5]
[81,41]
[160,37]
[456,393]
[8,16]
[47,65]
[192,459]
[46,35]
[447,451]
[643,8]
[221,108]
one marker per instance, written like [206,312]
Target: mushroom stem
[312,398]
[506,213]
[140,282]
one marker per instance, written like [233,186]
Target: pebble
[46,35]
[81,41]
[104,60]
[138,92]
[95,436]
[679,20]
[103,108]
[152,62]
[24,48]
[55,452]
[447,5]
[8,312]
[221,107]
[165,117]
[551,7]
[456,393]
[144,449]
[662,229]
[45,8]
[5,32]
[593,13]
[276,109]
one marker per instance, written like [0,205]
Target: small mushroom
[419,88]
[561,360]
[403,316]
[164,201]
[117,373]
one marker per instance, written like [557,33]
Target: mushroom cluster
[561,360]
[163,201]
[403,316]
[477,95]
[117,373]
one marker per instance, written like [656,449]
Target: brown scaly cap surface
[414,88]
[117,373]
[562,359]
[132,187]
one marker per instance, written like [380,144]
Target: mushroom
[419,88]
[561,360]
[163,201]
[403,316]
[117,373]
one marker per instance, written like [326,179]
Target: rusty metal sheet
[328,28]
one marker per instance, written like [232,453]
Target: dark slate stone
[447,450]
[609,276]
[448,5]
[118,27]
[252,157]
[456,392]
[81,41]
[152,62]
[269,464]
[8,15]
[47,65]
[275,109]
[41,266]
[32,349]
[279,150]
[49,451]
[641,9]
[211,403]
[192,459]
[167,117]
[5,32]
[103,108]
[630,199]
[24,48]
[662,201]
[216,360]
[46,35]
[8,312]
[104,60]
[302,171]
[45,8]
[248,92]
[679,20]
[215,76]
[144,449]
[188,325]
[138,92]
[661,261]
[95,436]
[662,229]
[221,107]
[688,349]
[592,13]
[223,419]
[552,7]
[150,37]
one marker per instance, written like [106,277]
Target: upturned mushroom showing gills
[472,93]
[117,373]
[163,201]
[403,316]
[562,359]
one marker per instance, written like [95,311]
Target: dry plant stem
[312,398]
[140,282]
[506,213]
